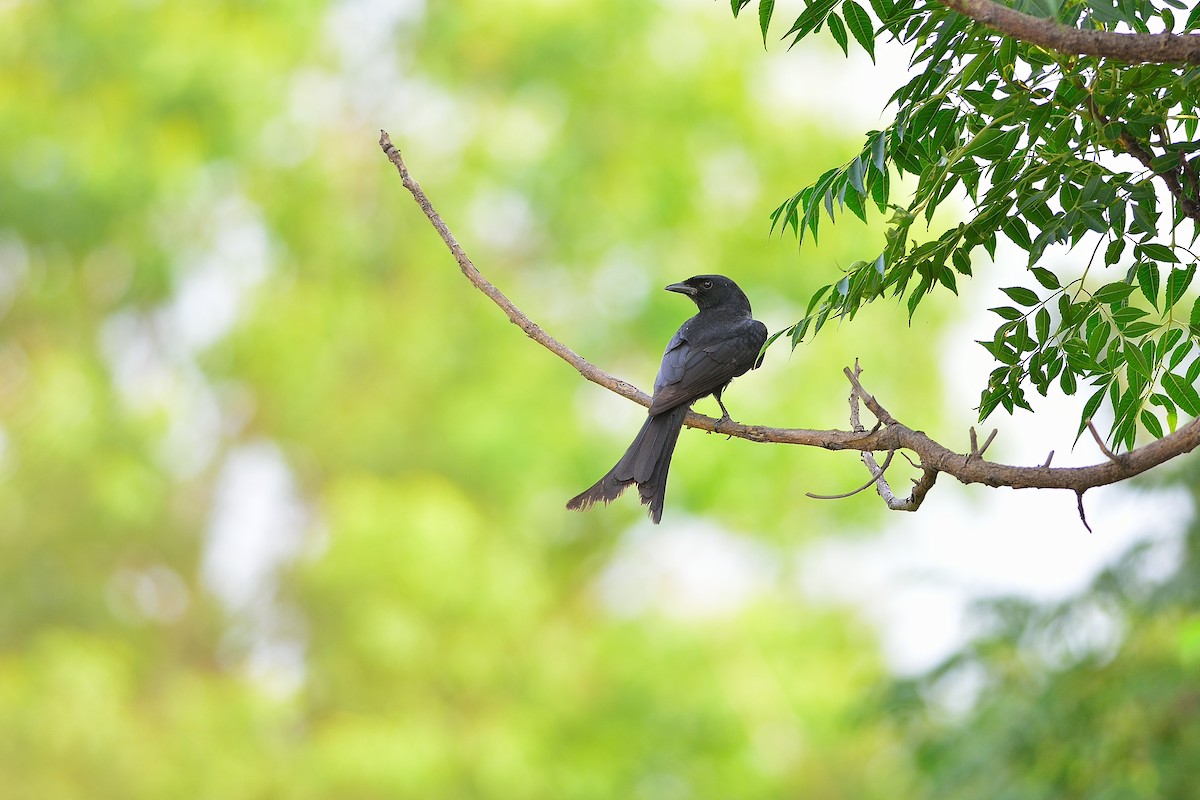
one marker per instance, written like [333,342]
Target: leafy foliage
[1028,136]
[1092,696]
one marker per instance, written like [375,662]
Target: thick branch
[890,435]
[1189,205]
[1133,48]
[1171,178]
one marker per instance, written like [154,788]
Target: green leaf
[993,144]
[1067,382]
[1172,415]
[1193,20]
[1006,354]
[880,189]
[1148,281]
[1157,252]
[1017,231]
[1098,337]
[1178,282]
[854,202]
[879,152]
[1194,319]
[1021,296]
[1145,217]
[859,23]
[1090,408]
[1135,362]
[816,298]
[1165,163]
[915,297]
[1053,358]
[765,9]
[1038,118]
[1006,312]
[837,29]
[1193,371]
[810,19]
[1182,392]
[854,174]
[811,198]
[771,339]
[1150,423]
[798,331]
[1042,324]
[1128,314]
[946,278]
[1116,221]
[1137,329]
[1180,353]
[1125,430]
[978,70]
[1007,56]
[1093,218]
[1113,292]
[883,9]
[1169,340]
[1046,278]
[1112,253]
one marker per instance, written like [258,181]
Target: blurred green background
[281,495]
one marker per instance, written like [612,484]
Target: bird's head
[710,291]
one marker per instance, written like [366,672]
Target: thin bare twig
[1082,515]
[874,478]
[976,450]
[1100,442]
[910,503]
[514,314]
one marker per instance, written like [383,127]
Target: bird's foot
[725,419]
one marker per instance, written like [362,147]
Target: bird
[721,342]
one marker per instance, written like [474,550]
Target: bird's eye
[706,285]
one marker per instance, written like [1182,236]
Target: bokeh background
[281,495]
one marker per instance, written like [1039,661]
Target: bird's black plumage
[708,351]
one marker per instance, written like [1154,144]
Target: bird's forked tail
[645,463]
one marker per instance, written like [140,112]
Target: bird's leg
[724,412]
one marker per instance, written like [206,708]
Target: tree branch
[1133,48]
[888,436]
[1171,177]
[514,314]
[922,486]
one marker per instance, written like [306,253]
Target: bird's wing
[674,360]
[695,366]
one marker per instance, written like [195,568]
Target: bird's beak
[683,288]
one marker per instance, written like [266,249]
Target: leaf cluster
[1027,137]
[1065,334]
